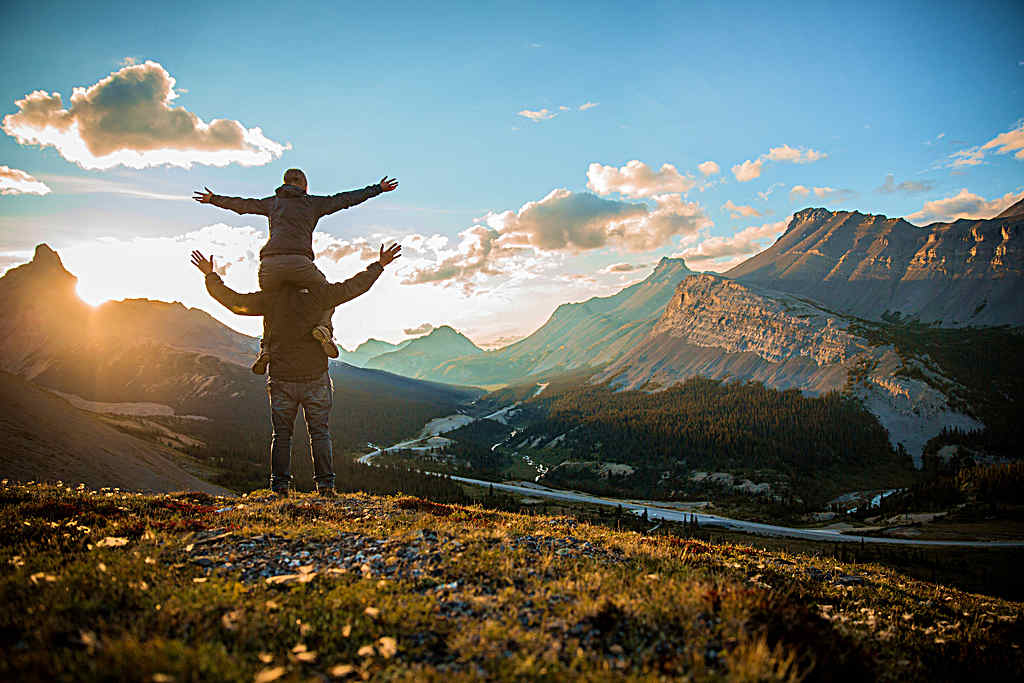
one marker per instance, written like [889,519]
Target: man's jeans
[294,269]
[316,399]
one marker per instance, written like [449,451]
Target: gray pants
[296,270]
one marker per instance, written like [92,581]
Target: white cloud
[751,169]
[721,253]
[1010,141]
[636,179]
[748,170]
[563,108]
[127,118]
[538,115]
[736,211]
[768,192]
[588,105]
[14,181]
[963,204]
[538,235]
[1004,143]
[708,168]
[819,192]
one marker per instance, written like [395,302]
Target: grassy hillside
[120,586]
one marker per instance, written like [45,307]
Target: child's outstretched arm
[241,304]
[343,200]
[239,205]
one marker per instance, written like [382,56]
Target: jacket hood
[289,191]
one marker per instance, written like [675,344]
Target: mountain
[968,272]
[47,439]
[418,357]
[593,332]
[1015,210]
[371,348]
[182,362]
[719,328]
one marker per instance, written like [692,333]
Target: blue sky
[442,96]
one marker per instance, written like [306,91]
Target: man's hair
[294,176]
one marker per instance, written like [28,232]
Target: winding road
[658,511]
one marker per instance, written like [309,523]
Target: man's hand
[204,197]
[390,254]
[200,262]
[388,184]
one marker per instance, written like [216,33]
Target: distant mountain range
[968,272]
[415,357]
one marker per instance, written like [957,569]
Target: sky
[546,152]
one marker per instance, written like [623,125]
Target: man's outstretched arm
[340,292]
[242,304]
[343,200]
[239,205]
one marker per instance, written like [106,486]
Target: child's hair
[294,176]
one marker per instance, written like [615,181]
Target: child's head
[294,176]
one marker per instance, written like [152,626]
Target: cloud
[67,184]
[425,328]
[768,192]
[1004,143]
[333,249]
[127,118]
[748,170]
[736,211]
[622,268]
[907,186]
[540,233]
[751,169]
[588,105]
[636,180]
[819,192]
[14,181]
[539,115]
[739,246]
[708,168]
[963,204]
[1010,141]
[796,156]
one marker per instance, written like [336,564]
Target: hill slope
[408,589]
[46,439]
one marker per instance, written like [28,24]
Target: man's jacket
[293,215]
[290,314]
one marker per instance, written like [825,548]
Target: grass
[117,586]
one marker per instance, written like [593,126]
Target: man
[288,254]
[298,362]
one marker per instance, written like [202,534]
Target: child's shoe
[323,335]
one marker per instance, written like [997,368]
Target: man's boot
[323,335]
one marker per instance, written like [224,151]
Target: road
[656,512]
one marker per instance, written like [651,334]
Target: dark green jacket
[290,314]
[293,215]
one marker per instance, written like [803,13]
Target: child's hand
[390,254]
[388,184]
[202,197]
[200,262]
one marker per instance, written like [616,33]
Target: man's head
[294,176]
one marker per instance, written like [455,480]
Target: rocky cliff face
[719,328]
[968,272]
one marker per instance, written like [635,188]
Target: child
[288,254]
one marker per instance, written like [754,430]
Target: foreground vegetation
[109,585]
